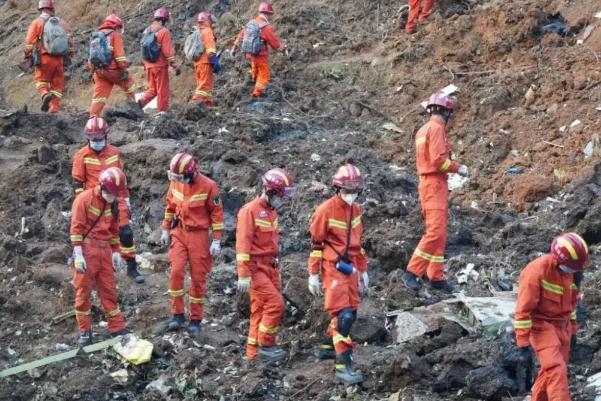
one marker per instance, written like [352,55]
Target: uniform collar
[339,202]
[263,17]
[264,203]
[437,120]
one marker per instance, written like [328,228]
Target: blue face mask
[98,145]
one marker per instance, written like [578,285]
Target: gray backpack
[251,41]
[55,40]
[193,47]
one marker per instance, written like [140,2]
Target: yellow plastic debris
[134,350]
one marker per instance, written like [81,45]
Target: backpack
[251,41]
[193,47]
[151,50]
[54,39]
[101,52]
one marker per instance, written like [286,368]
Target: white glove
[243,284]
[165,237]
[78,261]
[117,262]
[463,170]
[127,203]
[314,285]
[215,248]
[363,283]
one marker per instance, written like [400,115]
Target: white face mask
[98,146]
[349,198]
[122,31]
[110,198]
[566,269]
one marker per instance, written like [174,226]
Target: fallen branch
[302,390]
[491,71]
[554,144]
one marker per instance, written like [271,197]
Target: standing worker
[49,45]
[545,314]
[208,63]
[419,11]
[337,256]
[96,258]
[255,40]
[433,165]
[109,64]
[193,207]
[257,249]
[158,55]
[88,163]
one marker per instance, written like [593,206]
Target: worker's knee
[126,236]
[346,318]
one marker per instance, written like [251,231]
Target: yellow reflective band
[573,315]
[356,221]
[120,58]
[554,288]
[107,213]
[76,238]
[316,254]
[260,86]
[57,94]
[242,257]
[218,226]
[130,249]
[342,339]
[253,341]
[78,190]
[112,313]
[337,223]
[93,210]
[99,100]
[566,244]
[203,93]
[177,195]
[268,330]
[427,256]
[91,160]
[41,84]
[112,159]
[176,293]
[194,300]
[83,313]
[522,324]
[211,50]
[420,141]
[29,47]
[198,197]
[244,280]
[340,366]
[168,216]
[262,223]
[445,166]
[325,346]
[171,58]
[574,286]
[114,241]
[131,89]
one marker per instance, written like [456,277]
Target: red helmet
[348,177]
[183,163]
[206,16]
[113,180]
[280,181]
[442,100]
[265,8]
[96,128]
[571,250]
[115,20]
[46,4]
[162,13]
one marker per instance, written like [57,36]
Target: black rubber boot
[85,338]
[326,350]
[442,285]
[194,328]
[132,271]
[344,369]
[177,322]
[46,99]
[410,281]
[271,354]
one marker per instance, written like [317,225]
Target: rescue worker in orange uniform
[338,258]
[419,11]
[49,75]
[434,162]
[260,63]
[96,258]
[157,73]
[193,207]
[88,163]
[257,249]
[545,314]
[208,63]
[116,73]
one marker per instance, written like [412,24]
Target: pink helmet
[265,8]
[162,13]
[113,180]
[348,177]
[115,20]
[96,128]
[442,100]
[280,181]
[571,250]
[46,4]
[206,16]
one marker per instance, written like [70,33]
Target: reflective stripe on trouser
[103,86]
[128,251]
[266,306]
[428,257]
[260,73]
[341,343]
[99,274]
[191,247]
[49,76]
[158,86]
[419,9]
[204,83]
[552,347]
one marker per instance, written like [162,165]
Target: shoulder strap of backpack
[96,221]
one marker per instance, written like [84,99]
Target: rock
[297,293]
[159,385]
[233,156]
[53,275]
[129,109]
[219,339]
[355,109]
[195,112]
[55,254]
[489,383]
[189,358]
[45,154]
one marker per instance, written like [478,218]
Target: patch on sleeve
[217,200]
[263,214]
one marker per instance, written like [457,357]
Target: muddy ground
[348,73]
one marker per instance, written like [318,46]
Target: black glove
[524,368]
[581,313]
[124,75]
[178,71]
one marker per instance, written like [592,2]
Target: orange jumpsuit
[329,232]
[101,239]
[49,76]
[87,166]
[418,10]
[204,68]
[104,79]
[433,163]
[257,248]
[157,73]
[197,206]
[545,319]
[260,63]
